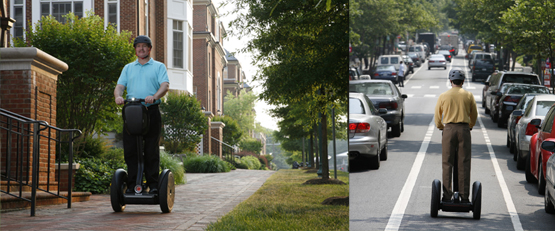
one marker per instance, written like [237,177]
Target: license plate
[484,69]
[509,108]
[384,74]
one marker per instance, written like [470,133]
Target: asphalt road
[398,195]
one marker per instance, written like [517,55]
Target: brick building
[234,76]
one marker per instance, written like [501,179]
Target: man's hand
[150,99]
[119,100]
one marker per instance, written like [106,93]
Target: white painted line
[410,95]
[413,74]
[432,96]
[470,88]
[504,189]
[477,97]
[434,87]
[416,87]
[403,200]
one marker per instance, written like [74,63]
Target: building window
[18,16]
[59,9]
[178,44]
[112,13]
[190,54]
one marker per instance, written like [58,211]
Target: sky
[233,44]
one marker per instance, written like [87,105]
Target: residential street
[205,198]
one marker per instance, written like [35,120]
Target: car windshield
[437,57]
[413,55]
[484,63]
[526,101]
[372,88]
[475,47]
[523,89]
[542,107]
[444,52]
[355,106]
[394,60]
[515,78]
[385,68]
[384,60]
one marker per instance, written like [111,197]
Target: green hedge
[205,164]
[171,163]
[250,162]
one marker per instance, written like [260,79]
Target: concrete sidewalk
[204,199]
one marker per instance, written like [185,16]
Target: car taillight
[513,99]
[394,73]
[449,56]
[453,50]
[388,105]
[431,61]
[359,127]
[531,129]
[517,119]
[441,61]
[376,74]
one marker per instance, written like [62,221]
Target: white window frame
[12,12]
[106,13]
[83,5]
[183,44]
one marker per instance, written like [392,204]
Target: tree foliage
[251,145]
[184,122]
[95,57]
[241,109]
[232,133]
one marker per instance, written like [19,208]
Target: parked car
[535,163]
[484,90]
[409,65]
[384,94]
[496,82]
[513,119]
[445,53]
[525,129]
[549,146]
[417,59]
[482,69]
[512,96]
[367,131]
[437,61]
[387,72]
[390,60]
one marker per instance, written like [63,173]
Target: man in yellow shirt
[456,114]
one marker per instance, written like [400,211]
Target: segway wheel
[436,194]
[167,191]
[117,189]
[476,200]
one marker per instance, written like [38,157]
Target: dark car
[511,96]
[496,82]
[386,72]
[384,94]
[445,53]
[482,69]
[513,119]
[416,59]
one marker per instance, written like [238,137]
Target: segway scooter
[456,205]
[136,123]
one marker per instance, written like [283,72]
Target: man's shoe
[465,201]
[445,199]
[153,191]
[129,191]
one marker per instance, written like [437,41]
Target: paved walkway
[204,199]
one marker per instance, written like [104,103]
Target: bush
[205,164]
[115,154]
[95,175]
[230,165]
[171,163]
[251,161]
[90,147]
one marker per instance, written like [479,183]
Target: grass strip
[283,203]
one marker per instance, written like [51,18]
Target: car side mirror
[517,113]
[382,111]
[486,83]
[404,96]
[499,93]
[493,93]
[548,146]
[536,122]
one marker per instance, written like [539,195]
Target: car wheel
[508,141]
[383,154]
[494,117]
[402,125]
[396,130]
[530,178]
[375,161]
[515,156]
[487,110]
[520,161]
[501,121]
[483,102]
[512,148]
[549,208]
[541,179]
[444,68]
[473,79]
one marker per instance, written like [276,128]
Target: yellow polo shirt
[455,106]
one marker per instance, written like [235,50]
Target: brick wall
[217,132]
[206,140]
[200,74]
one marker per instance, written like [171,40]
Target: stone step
[10,203]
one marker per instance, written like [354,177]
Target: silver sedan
[437,60]
[367,132]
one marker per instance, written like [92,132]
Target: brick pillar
[206,140]
[28,81]
[217,132]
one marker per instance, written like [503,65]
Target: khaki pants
[456,135]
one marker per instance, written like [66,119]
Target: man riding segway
[456,114]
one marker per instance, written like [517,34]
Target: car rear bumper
[363,146]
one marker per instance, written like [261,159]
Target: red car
[535,163]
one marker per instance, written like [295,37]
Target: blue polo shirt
[143,80]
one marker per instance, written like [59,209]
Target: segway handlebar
[133,100]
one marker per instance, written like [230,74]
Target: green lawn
[283,203]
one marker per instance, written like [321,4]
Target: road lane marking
[432,96]
[416,87]
[403,200]
[410,95]
[434,87]
[504,189]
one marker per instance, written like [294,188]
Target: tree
[241,109]
[251,145]
[95,57]
[184,122]
[232,133]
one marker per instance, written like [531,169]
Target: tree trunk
[324,156]
[311,151]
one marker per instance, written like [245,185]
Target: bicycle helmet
[456,74]
[142,39]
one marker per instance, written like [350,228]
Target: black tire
[501,121]
[117,189]
[396,130]
[549,208]
[436,194]
[508,141]
[383,154]
[483,102]
[473,79]
[402,123]
[166,192]
[530,178]
[541,179]
[374,162]
[512,149]
[516,151]
[476,200]
[429,68]
[520,161]
[495,117]
[444,68]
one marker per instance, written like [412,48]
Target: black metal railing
[22,140]
[228,151]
